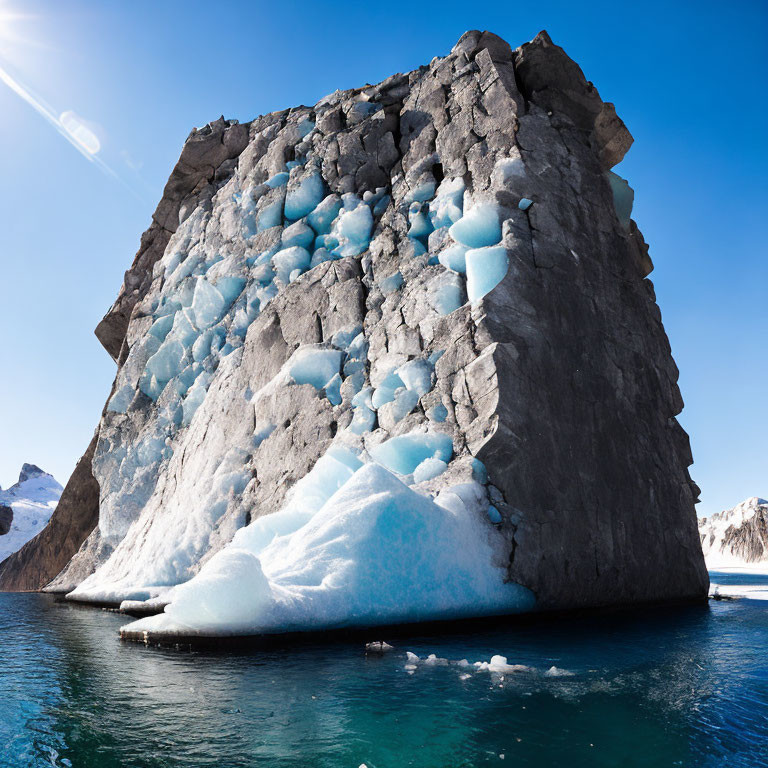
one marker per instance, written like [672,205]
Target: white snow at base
[33,502]
[375,552]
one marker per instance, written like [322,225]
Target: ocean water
[673,687]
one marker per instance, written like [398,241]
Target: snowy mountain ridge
[737,537]
[33,499]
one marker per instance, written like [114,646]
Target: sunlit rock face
[438,276]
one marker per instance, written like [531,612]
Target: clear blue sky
[688,78]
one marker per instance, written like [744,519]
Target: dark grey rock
[6,519]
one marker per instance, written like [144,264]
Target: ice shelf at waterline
[391,357]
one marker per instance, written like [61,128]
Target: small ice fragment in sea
[556,672]
[378,648]
[498,665]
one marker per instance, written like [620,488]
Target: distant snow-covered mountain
[738,537]
[32,501]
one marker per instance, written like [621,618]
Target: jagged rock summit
[738,537]
[388,358]
[26,507]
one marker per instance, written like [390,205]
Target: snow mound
[375,552]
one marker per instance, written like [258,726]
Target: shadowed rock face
[558,377]
[6,519]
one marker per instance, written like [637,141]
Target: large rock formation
[738,537]
[440,269]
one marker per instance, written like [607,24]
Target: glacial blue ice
[416,375]
[422,192]
[405,401]
[454,257]
[385,391]
[305,197]
[479,471]
[381,205]
[315,365]
[278,180]
[299,234]
[420,225]
[486,268]
[390,284]
[372,551]
[358,347]
[194,398]
[623,198]
[478,227]
[363,419]
[162,326]
[429,469]
[494,515]
[323,215]
[120,401]
[208,304]
[270,216]
[437,413]
[446,209]
[446,293]
[525,203]
[333,390]
[352,230]
[290,259]
[167,362]
[305,128]
[402,454]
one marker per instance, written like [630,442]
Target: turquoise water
[683,687]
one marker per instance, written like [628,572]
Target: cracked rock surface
[445,253]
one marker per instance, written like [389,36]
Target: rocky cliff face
[738,537]
[437,274]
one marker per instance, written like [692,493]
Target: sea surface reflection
[682,687]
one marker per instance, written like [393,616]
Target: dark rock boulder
[6,519]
